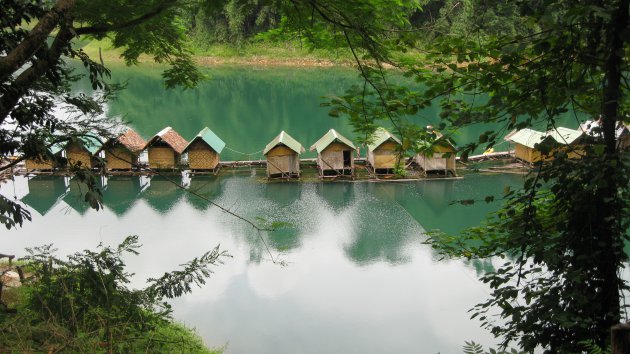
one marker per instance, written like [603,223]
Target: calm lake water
[356,277]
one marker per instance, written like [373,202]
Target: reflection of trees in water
[121,193]
[75,198]
[337,195]
[44,192]
[245,107]
[286,198]
[207,186]
[382,228]
[162,194]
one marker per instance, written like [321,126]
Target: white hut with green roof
[204,150]
[283,156]
[382,154]
[334,154]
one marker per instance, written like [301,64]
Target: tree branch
[35,40]
[102,28]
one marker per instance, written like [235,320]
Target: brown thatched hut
[440,159]
[82,151]
[334,155]
[203,151]
[165,149]
[283,156]
[123,152]
[382,152]
[44,162]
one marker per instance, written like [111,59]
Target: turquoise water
[350,275]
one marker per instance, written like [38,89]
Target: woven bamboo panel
[35,164]
[76,154]
[119,159]
[161,157]
[202,159]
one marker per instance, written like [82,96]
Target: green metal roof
[330,138]
[380,136]
[210,138]
[284,139]
[565,135]
[91,144]
[56,148]
[529,137]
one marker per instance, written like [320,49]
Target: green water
[356,277]
[352,274]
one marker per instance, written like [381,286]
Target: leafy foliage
[563,232]
[84,303]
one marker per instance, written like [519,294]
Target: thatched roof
[132,141]
[329,138]
[284,139]
[171,138]
[380,136]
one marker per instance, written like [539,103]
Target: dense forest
[237,22]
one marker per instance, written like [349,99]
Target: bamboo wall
[162,157]
[76,154]
[202,157]
[332,157]
[437,162]
[119,158]
[281,159]
[383,157]
[39,164]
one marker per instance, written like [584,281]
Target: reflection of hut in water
[382,230]
[283,156]
[286,238]
[440,159]
[337,195]
[162,194]
[334,154]
[44,192]
[533,146]
[165,149]
[45,162]
[121,192]
[82,151]
[203,151]
[207,186]
[75,198]
[123,152]
[382,154]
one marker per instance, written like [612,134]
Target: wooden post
[620,338]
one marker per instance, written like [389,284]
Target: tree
[37,38]
[563,233]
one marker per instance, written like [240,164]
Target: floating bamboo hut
[334,155]
[528,143]
[204,150]
[441,157]
[45,162]
[382,154]
[622,132]
[123,152]
[165,149]
[283,156]
[82,151]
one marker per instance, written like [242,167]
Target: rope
[242,153]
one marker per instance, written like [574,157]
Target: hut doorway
[347,158]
